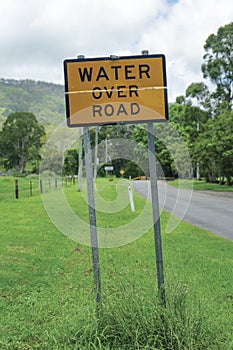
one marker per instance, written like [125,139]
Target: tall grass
[131,320]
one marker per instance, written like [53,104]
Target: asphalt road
[206,209]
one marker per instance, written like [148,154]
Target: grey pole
[106,153]
[92,215]
[198,170]
[96,152]
[80,149]
[155,209]
[80,159]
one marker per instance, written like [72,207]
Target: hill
[45,100]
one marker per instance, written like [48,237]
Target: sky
[37,35]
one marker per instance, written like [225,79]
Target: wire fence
[16,188]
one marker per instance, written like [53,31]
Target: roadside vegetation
[201,185]
[47,298]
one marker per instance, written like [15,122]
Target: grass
[47,298]
[200,185]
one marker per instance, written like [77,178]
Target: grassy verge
[201,185]
[47,299]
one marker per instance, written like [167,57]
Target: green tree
[51,163]
[20,140]
[199,94]
[218,68]
[163,156]
[218,64]
[189,121]
[214,149]
[70,166]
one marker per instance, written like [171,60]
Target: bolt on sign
[128,89]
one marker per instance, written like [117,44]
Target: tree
[163,156]
[200,95]
[214,149]
[218,64]
[189,121]
[20,140]
[70,166]
[223,132]
[218,68]
[52,160]
[213,146]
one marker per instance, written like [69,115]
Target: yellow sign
[129,89]
[122,171]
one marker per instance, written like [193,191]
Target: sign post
[92,215]
[155,210]
[96,152]
[80,159]
[155,206]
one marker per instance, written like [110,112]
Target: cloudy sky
[37,35]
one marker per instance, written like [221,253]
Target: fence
[15,188]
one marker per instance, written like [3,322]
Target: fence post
[41,186]
[16,189]
[30,188]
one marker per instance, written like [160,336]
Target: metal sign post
[155,210]
[80,159]
[92,215]
[96,152]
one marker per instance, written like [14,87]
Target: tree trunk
[211,177]
[229,181]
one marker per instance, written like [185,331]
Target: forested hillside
[44,100]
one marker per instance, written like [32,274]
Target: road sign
[108,168]
[128,89]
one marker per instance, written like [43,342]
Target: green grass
[47,298]
[200,185]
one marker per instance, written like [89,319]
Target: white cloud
[36,36]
